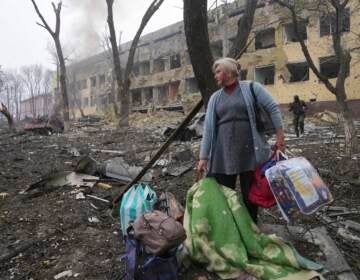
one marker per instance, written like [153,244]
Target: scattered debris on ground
[56,194]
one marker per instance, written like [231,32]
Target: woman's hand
[201,168]
[280,140]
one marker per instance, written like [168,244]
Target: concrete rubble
[70,226]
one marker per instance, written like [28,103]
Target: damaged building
[162,75]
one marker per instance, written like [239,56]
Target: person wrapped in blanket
[220,223]
[231,145]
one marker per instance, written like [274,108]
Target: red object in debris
[260,193]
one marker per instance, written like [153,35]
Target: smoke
[87,25]
[87,20]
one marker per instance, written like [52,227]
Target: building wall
[36,107]
[160,80]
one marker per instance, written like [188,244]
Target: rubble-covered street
[53,231]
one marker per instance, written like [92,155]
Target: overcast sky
[23,42]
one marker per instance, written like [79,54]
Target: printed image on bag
[138,200]
[297,187]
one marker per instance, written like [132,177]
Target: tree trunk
[244,28]
[124,97]
[116,56]
[4,110]
[345,116]
[63,88]
[197,39]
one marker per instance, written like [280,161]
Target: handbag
[260,193]
[158,232]
[263,120]
[168,204]
[141,266]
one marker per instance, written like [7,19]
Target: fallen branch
[171,138]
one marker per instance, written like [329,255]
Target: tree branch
[244,28]
[305,49]
[46,26]
[154,6]
[57,12]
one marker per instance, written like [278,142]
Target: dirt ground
[48,231]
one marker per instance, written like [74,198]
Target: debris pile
[56,193]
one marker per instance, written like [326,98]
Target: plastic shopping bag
[297,187]
[138,200]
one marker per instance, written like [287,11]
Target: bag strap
[253,93]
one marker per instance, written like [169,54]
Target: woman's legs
[226,180]
[245,184]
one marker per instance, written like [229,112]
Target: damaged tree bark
[4,110]
[197,39]
[56,36]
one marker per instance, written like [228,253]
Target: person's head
[296,98]
[226,71]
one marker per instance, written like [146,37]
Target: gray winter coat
[264,99]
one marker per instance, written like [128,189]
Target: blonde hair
[230,64]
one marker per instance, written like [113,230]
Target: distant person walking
[298,107]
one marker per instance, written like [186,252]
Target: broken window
[243,74]
[329,67]
[148,95]
[265,39]
[82,84]
[290,35]
[101,80]
[159,65]
[298,72]
[136,97]
[191,85]
[135,70]
[144,68]
[93,81]
[174,95]
[92,100]
[103,99]
[163,95]
[328,23]
[265,74]
[216,49]
[175,61]
[187,58]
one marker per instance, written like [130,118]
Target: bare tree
[197,38]
[29,80]
[56,37]
[244,28]
[46,91]
[335,9]
[15,81]
[116,56]
[123,85]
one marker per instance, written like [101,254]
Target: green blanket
[222,236]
